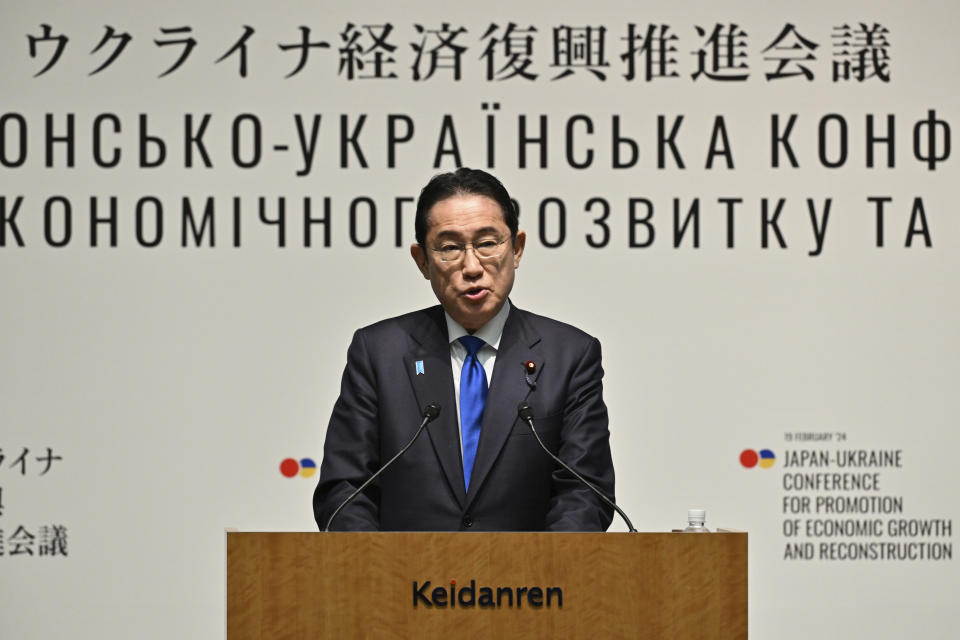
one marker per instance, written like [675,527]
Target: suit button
[467,521]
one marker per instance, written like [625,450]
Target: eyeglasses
[488,249]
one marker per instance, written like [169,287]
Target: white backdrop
[172,381]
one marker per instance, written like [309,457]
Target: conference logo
[763,459]
[305,468]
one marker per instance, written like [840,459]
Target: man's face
[471,289]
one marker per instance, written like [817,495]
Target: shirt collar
[489,333]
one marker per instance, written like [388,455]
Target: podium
[486,585]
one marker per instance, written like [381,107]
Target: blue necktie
[473,398]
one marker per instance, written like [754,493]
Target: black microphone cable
[430,412]
[525,411]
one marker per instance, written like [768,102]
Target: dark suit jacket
[515,486]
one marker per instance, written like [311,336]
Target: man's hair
[463,181]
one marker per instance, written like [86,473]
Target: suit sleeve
[351,452]
[585,446]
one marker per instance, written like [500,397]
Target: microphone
[525,411]
[430,412]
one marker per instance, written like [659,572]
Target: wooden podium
[486,585]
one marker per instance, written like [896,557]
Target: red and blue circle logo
[763,459]
[306,467]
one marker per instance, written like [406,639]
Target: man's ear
[420,257]
[519,242]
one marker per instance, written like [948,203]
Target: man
[478,467]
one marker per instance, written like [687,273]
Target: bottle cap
[699,515]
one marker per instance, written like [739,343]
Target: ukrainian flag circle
[308,467]
[766,458]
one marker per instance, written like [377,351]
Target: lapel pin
[529,368]
[420,371]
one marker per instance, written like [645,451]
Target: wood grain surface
[361,585]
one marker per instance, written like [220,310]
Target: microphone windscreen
[525,411]
[431,411]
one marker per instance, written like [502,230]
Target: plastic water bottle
[695,521]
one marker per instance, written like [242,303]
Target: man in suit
[478,467]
